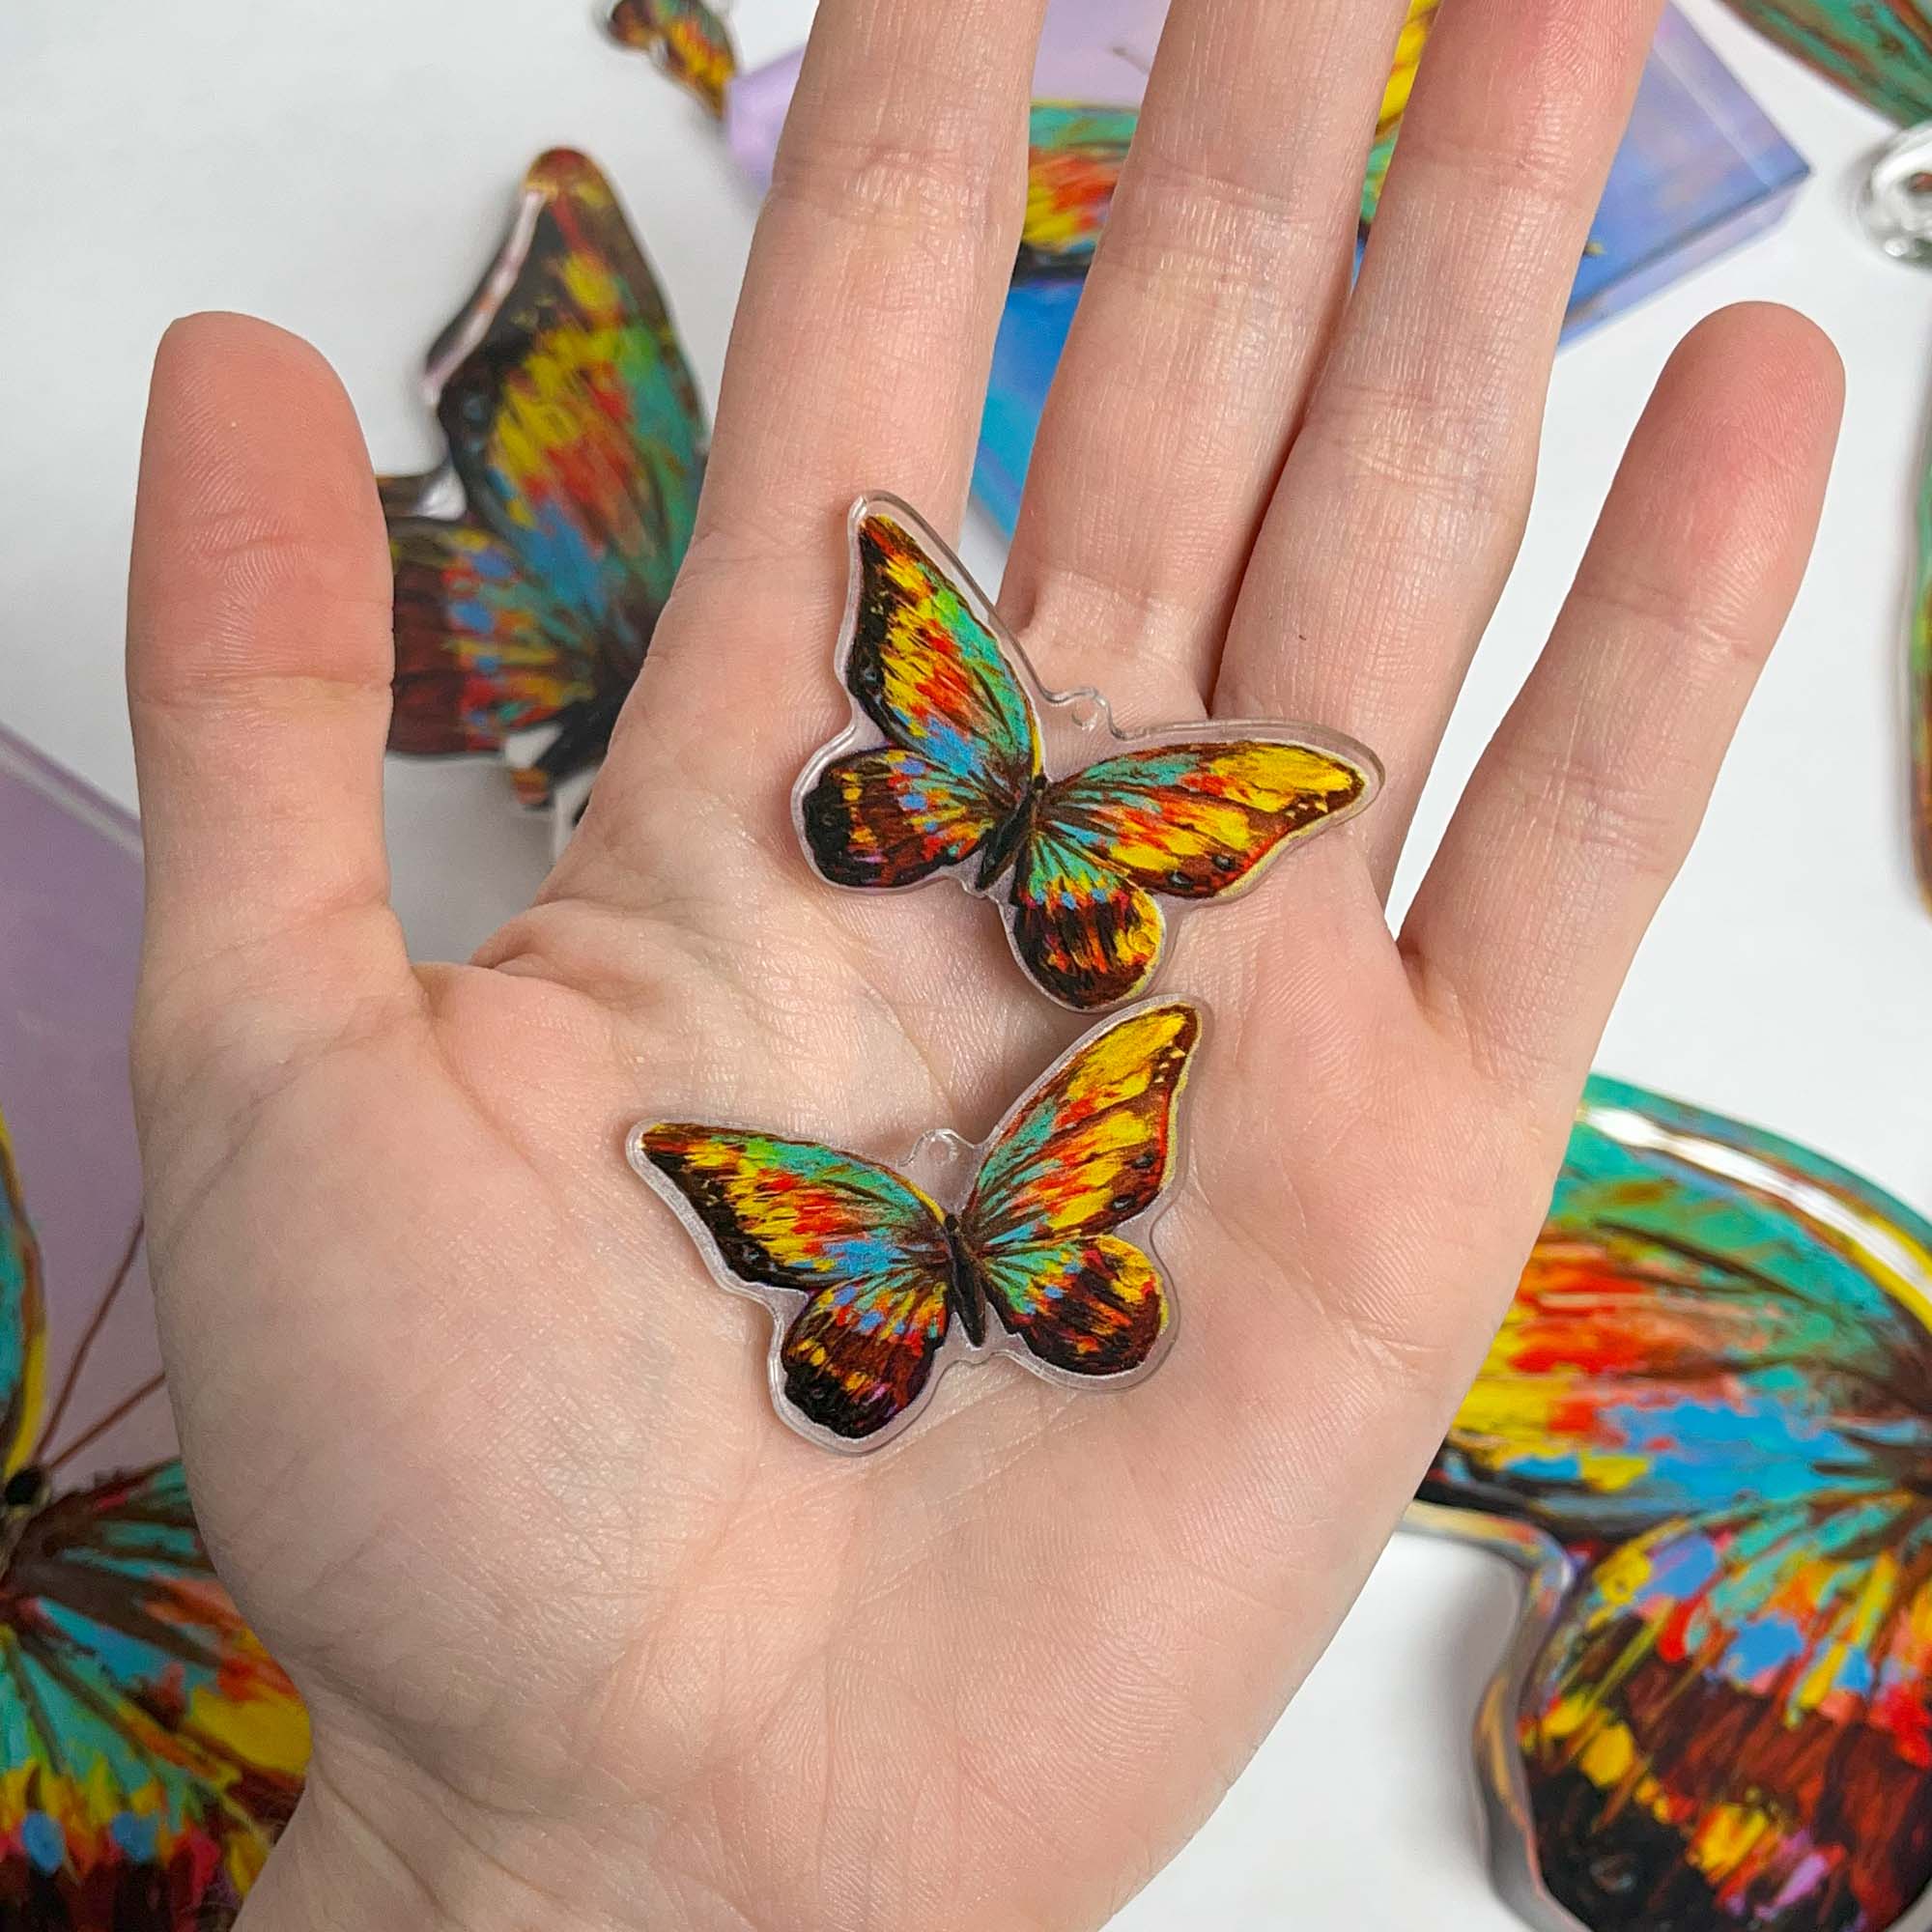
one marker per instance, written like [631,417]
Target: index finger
[865,332]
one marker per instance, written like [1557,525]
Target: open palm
[587,1637]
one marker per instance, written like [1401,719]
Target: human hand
[587,1637]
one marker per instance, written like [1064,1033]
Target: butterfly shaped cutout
[943,771]
[1706,1430]
[150,1748]
[877,1283]
[687,39]
[532,565]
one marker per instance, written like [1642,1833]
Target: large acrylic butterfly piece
[1706,1430]
[877,1281]
[532,564]
[1880,50]
[959,784]
[150,1749]
[687,39]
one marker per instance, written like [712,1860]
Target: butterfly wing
[152,1751]
[1089,1150]
[22,1318]
[1189,820]
[1714,1392]
[1880,50]
[578,442]
[1729,1726]
[1074,156]
[926,672]
[1395,102]
[473,658]
[688,39]
[863,1246]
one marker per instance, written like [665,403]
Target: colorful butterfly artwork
[1074,155]
[877,1284]
[943,772]
[1880,50]
[1706,1430]
[1395,101]
[577,446]
[150,1749]
[687,39]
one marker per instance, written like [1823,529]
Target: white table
[343,167]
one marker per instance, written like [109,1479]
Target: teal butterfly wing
[576,445]
[1197,818]
[961,753]
[854,1360]
[156,1749]
[1091,1149]
[1713,1396]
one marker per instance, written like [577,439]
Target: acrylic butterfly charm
[1706,1429]
[687,39]
[150,1749]
[943,771]
[532,566]
[877,1282]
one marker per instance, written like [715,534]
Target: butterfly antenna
[118,1413]
[89,1336]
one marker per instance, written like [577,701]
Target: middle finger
[1222,265]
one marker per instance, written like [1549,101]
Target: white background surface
[345,166]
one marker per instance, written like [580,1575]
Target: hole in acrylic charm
[1035,1243]
[959,763]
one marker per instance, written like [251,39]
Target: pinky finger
[1588,797]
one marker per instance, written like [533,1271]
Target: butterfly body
[944,771]
[1016,832]
[965,1292]
[876,1287]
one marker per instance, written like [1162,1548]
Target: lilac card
[69,940]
